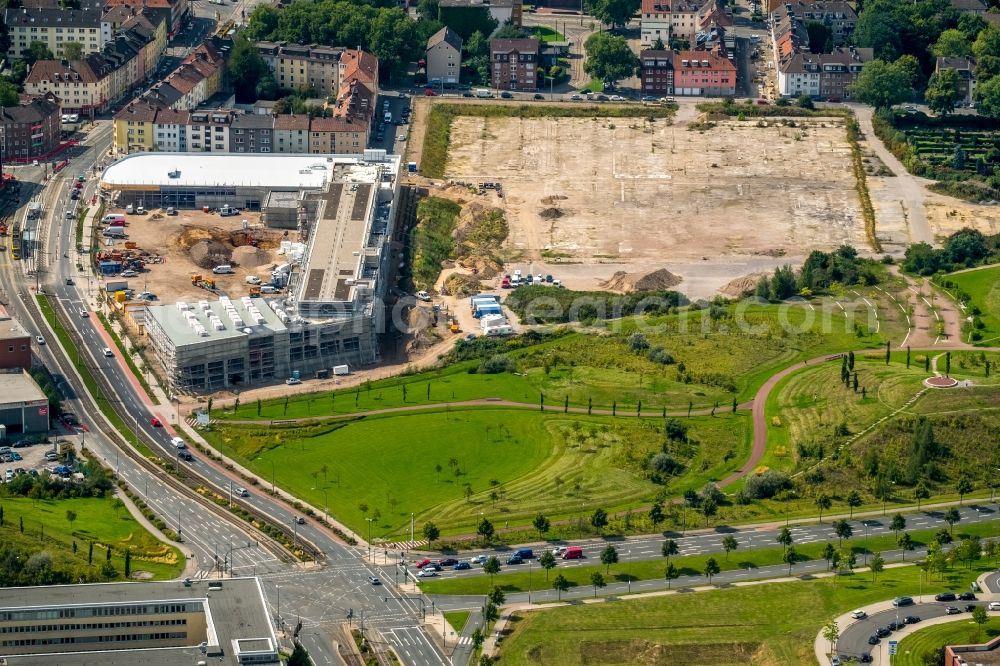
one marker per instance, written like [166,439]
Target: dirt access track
[586,197]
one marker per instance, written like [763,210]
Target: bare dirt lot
[588,197]
[192,243]
[946,215]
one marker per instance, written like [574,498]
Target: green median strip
[128,358]
[693,565]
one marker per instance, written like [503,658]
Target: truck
[114,232]
[341,370]
[34,210]
[228,211]
[483,92]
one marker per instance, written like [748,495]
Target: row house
[654,22]
[171,130]
[824,75]
[514,64]
[174,12]
[657,72]
[703,73]
[209,131]
[291,133]
[30,130]
[837,15]
[251,133]
[55,26]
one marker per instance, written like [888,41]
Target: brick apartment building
[15,343]
[29,130]
[514,64]
[657,72]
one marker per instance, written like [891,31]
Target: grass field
[983,286]
[46,527]
[962,631]
[755,625]
[430,240]
[552,463]
[518,579]
[457,620]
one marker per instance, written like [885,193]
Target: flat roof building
[23,406]
[15,343]
[343,209]
[153,624]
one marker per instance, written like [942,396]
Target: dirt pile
[479,235]
[552,199]
[551,214]
[742,285]
[648,281]
[460,285]
[249,256]
[209,253]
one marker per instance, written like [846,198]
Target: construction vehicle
[204,283]
[255,291]
[454,327]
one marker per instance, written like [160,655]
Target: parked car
[902,601]
[873,639]
[538,96]
[859,614]
[994,606]
[576,98]
[129,273]
[945,596]
[292,381]
[882,632]
[423,563]
[460,566]
[866,658]
[967,596]
[506,95]
[448,562]
[952,610]
[433,567]
[911,619]
[427,573]
[969,608]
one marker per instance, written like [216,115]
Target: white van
[223,269]
[483,92]
[114,217]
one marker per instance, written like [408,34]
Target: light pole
[865,523]
[272,478]
[529,581]
[326,506]
[411,530]
[369,537]
[628,559]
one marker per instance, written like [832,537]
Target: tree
[964,487]
[490,612]
[614,12]
[784,537]
[709,508]
[898,524]
[988,97]
[609,556]
[560,585]
[431,532]
[831,633]
[671,573]
[541,524]
[829,554]
[846,559]
[943,93]
[820,36]
[599,519]
[843,530]
[729,543]
[952,516]
[656,515]
[853,501]
[952,43]
[547,561]
[597,580]
[478,638]
[920,493]
[71,517]
[496,596]
[823,502]
[609,58]
[491,567]
[669,548]
[245,69]
[128,563]
[8,94]
[299,656]
[987,43]
[711,569]
[37,51]
[789,557]
[905,543]
[881,85]
[486,530]
[980,617]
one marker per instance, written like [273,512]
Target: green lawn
[547,34]
[457,620]
[962,631]
[983,286]
[759,624]
[46,527]
[763,554]
[552,463]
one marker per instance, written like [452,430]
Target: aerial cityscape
[471,332]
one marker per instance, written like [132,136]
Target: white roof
[252,170]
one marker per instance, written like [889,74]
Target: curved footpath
[880,653]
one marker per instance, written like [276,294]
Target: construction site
[709,202]
[294,284]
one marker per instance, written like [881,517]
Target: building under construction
[343,212]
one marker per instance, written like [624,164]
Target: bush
[660,355]
[664,463]
[638,342]
[805,102]
[496,364]
[766,485]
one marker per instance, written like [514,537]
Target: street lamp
[272,478]
[369,537]
[628,559]
[529,581]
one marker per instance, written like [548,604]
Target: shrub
[660,355]
[766,485]
[496,364]
[664,463]
[638,342]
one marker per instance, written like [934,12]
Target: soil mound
[210,253]
[551,200]
[649,281]
[742,285]
[551,214]
[250,256]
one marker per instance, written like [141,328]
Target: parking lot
[23,457]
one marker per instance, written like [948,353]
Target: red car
[423,563]
[155,422]
[429,93]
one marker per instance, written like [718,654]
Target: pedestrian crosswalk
[404,545]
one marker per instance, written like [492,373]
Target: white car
[242,492]
[292,381]
[559,550]
[423,296]
[39,339]
[107,352]
[576,98]
[84,313]
[427,573]
[478,559]
[253,279]
[178,442]
[994,606]
[129,273]
[859,614]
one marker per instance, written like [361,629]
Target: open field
[457,619]
[757,625]
[983,285]
[609,212]
[517,578]
[46,527]
[552,463]
[960,632]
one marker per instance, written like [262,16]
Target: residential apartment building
[209,131]
[15,344]
[303,68]
[30,130]
[966,75]
[839,16]
[337,135]
[685,17]
[174,11]
[56,26]
[703,73]
[251,133]
[171,128]
[824,75]
[134,128]
[654,19]
[444,57]
[514,64]
[291,134]
[657,72]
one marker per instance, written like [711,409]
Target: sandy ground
[946,215]
[635,195]
[171,279]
